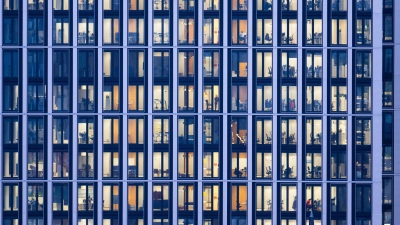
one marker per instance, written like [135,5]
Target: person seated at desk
[308,204]
[242,37]
[238,173]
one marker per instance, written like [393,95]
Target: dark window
[11,5]
[11,63]
[35,30]
[161,197]
[387,27]
[363,165]
[10,30]
[61,198]
[36,198]
[363,131]
[338,197]
[61,130]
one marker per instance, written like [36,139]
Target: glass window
[161,131]
[339,31]
[111,97]
[238,198]
[161,64]
[110,5]
[161,198]
[239,98]
[11,200]
[111,128]
[264,64]
[161,97]
[264,165]
[289,5]
[136,164]
[289,64]
[211,99]
[86,5]
[86,63]
[338,165]
[338,131]
[387,184]
[364,32]
[289,165]
[186,29]
[288,131]
[387,27]
[313,165]
[11,62]
[288,198]
[136,130]
[161,30]
[11,163]
[363,165]
[136,197]
[36,197]
[363,131]
[86,197]
[239,130]
[61,97]
[264,98]
[339,5]
[61,130]
[211,164]
[211,63]
[36,63]
[362,199]
[60,197]
[363,5]
[339,98]
[211,31]
[186,164]
[387,127]
[313,132]
[35,29]
[111,66]
[211,129]
[35,130]
[338,196]
[10,26]
[161,5]
[264,131]
[161,165]
[363,98]
[136,31]
[363,64]
[239,165]
[338,64]
[86,28]
[387,158]
[314,5]
[10,5]
[60,164]
[85,163]
[86,97]
[211,5]
[289,98]
[85,130]
[111,33]
[289,31]
[61,30]
[313,199]
[314,30]
[186,127]
[264,30]
[239,31]
[263,198]
[264,5]
[61,63]
[210,198]
[186,201]
[111,164]
[60,4]
[111,197]
[10,97]
[11,130]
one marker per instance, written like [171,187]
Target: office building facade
[199,112]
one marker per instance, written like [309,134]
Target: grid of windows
[200,112]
